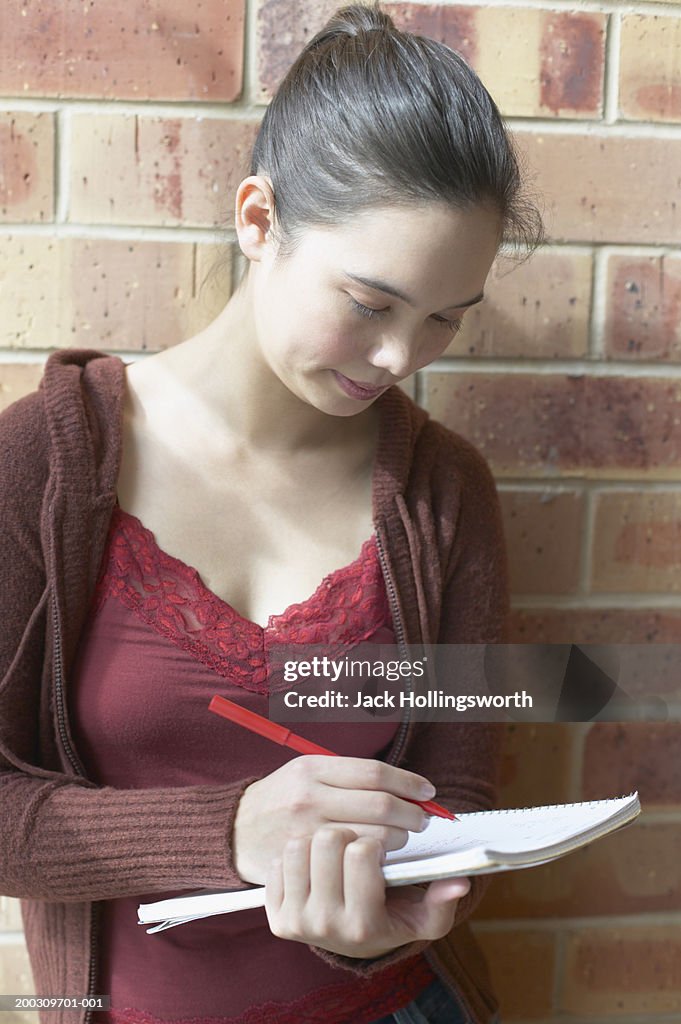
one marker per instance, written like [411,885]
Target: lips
[358,389]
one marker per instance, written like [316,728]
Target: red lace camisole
[155,648]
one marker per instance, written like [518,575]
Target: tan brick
[620,757]
[538,424]
[522,963]
[595,625]
[650,68]
[535,63]
[106,294]
[129,169]
[26,166]
[149,51]
[544,533]
[139,295]
[643,318]
[607,188]
[17,380]
[30,290]
[536,310]
[10,915]
[527,745]
[15,972]
[634,871]
[16,978]
[618,971]
[637,542]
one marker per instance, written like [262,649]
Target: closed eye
[367,311]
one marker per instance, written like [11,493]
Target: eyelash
[366,311]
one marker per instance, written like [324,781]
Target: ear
[254,216]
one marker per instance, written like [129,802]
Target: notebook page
[511,831]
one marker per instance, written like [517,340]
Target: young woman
[168,521]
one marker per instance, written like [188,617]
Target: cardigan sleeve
[63,838]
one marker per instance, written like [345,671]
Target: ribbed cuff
[69,842]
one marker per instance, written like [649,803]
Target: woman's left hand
[328,890]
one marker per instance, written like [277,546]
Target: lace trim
[346,608]
[333,1004]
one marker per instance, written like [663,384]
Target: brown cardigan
[65,842]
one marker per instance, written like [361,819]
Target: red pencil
[280,734]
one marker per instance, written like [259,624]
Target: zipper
[399,747]
[61,720]
[401,646]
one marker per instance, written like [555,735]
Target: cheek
[331,341]
[435,345]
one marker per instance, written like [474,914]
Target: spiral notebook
[476,843]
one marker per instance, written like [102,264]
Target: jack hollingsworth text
[429,699]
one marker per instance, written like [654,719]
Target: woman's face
[329,318]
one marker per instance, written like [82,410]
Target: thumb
[444,890]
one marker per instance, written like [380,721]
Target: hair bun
[353,20]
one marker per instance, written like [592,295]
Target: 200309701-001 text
[35,1002]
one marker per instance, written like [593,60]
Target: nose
[393,353]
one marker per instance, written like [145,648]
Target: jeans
[435,1005]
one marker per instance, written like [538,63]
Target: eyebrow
[382,286]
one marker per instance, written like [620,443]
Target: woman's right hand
[364,795]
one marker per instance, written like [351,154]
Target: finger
[326,869]
[368,773]
[440,904]
[444,890]
[389,838]
[296,871]
[372,807]
[364,884]
[274,887]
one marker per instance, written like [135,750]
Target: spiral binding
[546,807]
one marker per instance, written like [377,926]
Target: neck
[230,391]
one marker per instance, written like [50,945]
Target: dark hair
[370,116]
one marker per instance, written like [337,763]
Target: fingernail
[428,791]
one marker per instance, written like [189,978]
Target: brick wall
[121,144]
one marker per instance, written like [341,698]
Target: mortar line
[612,68]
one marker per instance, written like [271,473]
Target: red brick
[26,166]
[606,187]
[133,51]
[643,318]
[17,380]
[527,746]
[534,62]
[129,169]
[636,870]
[543,424]
[650,68]
[646,670]
[618,971]
[283,29]
[544,533]
[621,757]
[534,310]
[522,962]
[637,542]
[572,62]
[595,625]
